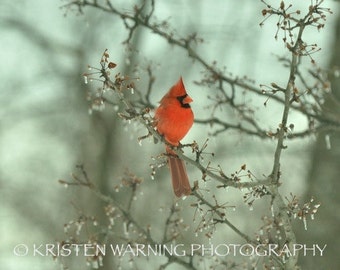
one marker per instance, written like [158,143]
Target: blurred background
[46,128]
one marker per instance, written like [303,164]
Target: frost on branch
[302,212]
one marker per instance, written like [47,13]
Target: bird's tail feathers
[179,176]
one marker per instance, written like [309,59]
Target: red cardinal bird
[173,119]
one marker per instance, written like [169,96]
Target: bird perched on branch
[173,119]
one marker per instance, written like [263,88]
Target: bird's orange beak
[187,100]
